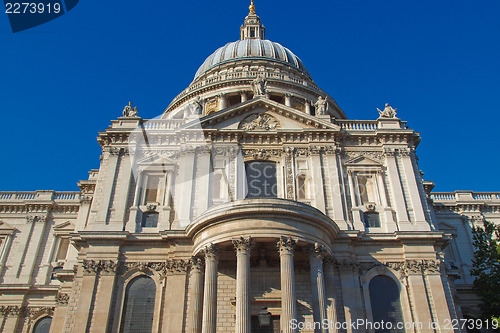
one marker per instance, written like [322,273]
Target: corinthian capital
[242,244]
[286,245]
[211,252]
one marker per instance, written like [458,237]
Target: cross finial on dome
[252,28]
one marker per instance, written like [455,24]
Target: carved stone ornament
[177,266]
[12,310]
[388,112]
[242,244]
[425,266]
[286,245]
[316,250]
[99,266]
[129,111]
[321,106]
[196,264]
[211,252]
[259,86]
[35,311]
[62,298]
[262,154]
[259,122]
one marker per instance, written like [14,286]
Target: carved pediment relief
[273,116]
[259,122]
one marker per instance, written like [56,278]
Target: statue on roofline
[388,112]
[129,111]
[320,106]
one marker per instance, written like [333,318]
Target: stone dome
[252,49]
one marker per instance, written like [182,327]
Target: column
[222,101]
[196,296]
[243,95]
[413,189]
[356,211]
[316,254]
[175,296]
[243,319]
[308,107]
[106,271]
[331,295]
[107,181]
[288,100]
[399,203]
[209,322]
[288,302]
[86,297]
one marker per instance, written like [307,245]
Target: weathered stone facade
[172,202]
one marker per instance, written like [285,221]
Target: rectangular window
[366,189]
[261,179]
[152,189]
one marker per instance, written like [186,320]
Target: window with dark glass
[386,306]
[43,325]
[261,179]
[301,187]
[138,310]
[150,220]
[372,219]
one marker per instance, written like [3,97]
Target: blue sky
[436,61]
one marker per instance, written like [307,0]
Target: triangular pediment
[6,228]
[69,226]
[363,160]
[273,115]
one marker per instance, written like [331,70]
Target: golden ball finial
[252,8]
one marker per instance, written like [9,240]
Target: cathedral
[252,204]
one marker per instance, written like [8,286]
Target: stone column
[243,95]
[196,306]
[316,254]
[288,302]
[106,271]
[331,292]
[209,323]
[288,100]
[222,101]
[308,107]
[243,319]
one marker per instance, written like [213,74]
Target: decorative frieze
[262,154]
[99,266]
[12,310]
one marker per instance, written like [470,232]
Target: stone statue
[320,106]
[129,111]
[259,86]
[388,112]
[197,106]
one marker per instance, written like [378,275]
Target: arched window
[386,306]
[43,325]
[261,179]
[139,304]
[302,190]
